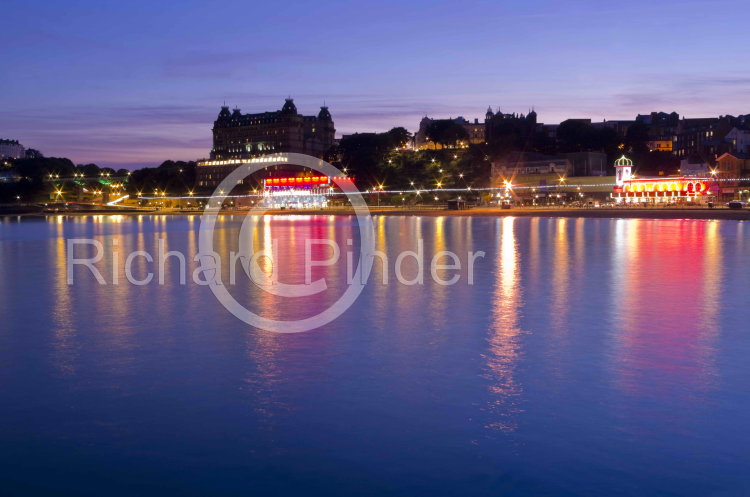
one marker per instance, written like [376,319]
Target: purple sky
[127,84]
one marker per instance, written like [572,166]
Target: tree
[446,132]
[580,136]
[637,137]
[399,137]
[361,154]
[657,163]
[89,170]
[475,166]
[176,177]
[34,172]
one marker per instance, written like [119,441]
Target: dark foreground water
[589,357]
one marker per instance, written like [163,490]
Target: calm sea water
[589,357]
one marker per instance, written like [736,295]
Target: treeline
[172,177]
[32,180]
[375,159]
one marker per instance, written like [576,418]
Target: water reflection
[666,303]
[64,331]
[560,277]
[504,348]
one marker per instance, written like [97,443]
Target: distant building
[660,145]
[11,149]
[688,168]
[739,139]
[242,136]
[588,163]
[702,137]
[659,119]
[238,136]
[731,167]
[619,127]
[498,124]
[567,164]
[548,130]
[526,164]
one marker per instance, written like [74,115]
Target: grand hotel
[238,136]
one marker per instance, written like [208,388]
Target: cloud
[122,134]
[224,65]
[687,94]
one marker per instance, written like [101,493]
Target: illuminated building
[296,192]
[733,169]
[629,189]
[660,145]
[238,136]
[243,136]
[11,149]
[623,170]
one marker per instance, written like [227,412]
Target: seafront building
[630,189]
[238,136]
[534,183]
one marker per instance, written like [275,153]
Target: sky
[131,84]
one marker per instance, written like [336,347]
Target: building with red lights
[296,192]
[629,189]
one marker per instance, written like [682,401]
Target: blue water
[589,357]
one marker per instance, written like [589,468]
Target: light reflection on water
[504,341]
[589,357]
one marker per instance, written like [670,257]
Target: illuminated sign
[301,181]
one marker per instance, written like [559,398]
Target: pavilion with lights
[296,192]
[671,189]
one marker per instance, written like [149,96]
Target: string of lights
[558,188]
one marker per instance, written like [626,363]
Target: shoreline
[598,213]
